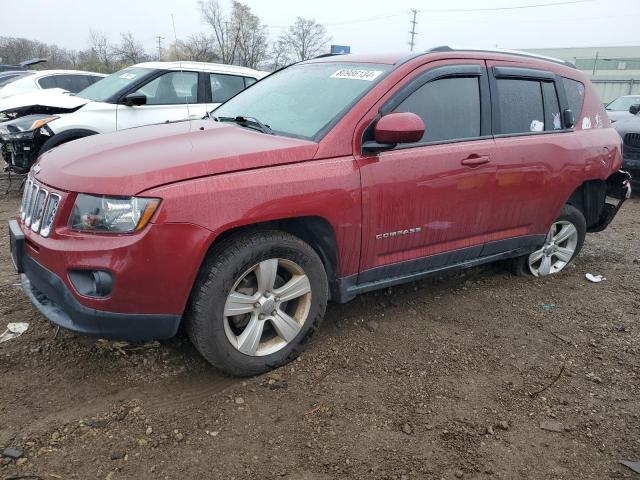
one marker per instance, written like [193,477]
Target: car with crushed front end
[143,94]
[329,178]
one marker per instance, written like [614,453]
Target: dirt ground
[431,380]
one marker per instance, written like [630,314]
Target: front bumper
[54,299]
[632,164]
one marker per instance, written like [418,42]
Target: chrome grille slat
[49,214]
[39,207]
[30,205]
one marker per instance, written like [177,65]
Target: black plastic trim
[520,72]
[50,295]
[412,270]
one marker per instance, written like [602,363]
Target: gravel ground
[478,374]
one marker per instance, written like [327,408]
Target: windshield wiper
[250,122]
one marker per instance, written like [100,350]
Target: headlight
[26,124]
[112,214]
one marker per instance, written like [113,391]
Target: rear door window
[172,88]
[223,87]
[449,108]
[520,106]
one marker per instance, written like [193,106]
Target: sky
[367,26]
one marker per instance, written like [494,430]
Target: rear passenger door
[533,148]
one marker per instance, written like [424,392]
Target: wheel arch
[313,230]
[589,198]
[66,136]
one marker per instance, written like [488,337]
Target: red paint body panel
[329,189]
[224,176]
[130,161]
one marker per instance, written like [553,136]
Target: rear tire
[257,302]
[563,243]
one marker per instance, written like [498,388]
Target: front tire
[562,244]
[256,303]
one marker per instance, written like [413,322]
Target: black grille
[632,140]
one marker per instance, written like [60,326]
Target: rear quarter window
[574,91]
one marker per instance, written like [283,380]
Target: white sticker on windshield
[357,74]
[128,76]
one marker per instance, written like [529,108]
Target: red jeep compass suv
[329,178]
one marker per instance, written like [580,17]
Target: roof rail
[446,48]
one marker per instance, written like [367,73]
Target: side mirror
[395,128]
[634,109]
[568,118]
[135,99]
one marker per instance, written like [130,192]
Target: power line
[444,10]
[493,9]
[412,43]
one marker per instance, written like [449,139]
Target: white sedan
[31,81]
[143,94]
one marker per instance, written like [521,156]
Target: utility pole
[413,33]
[159,38]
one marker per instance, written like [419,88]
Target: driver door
[429,204]
[171,97]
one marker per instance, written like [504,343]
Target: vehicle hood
[630,124]
[131,161]
[50,101]
[616,116]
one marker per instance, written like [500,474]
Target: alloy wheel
[557,251]
[267,307]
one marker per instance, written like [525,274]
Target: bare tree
[252,36]
[305,39]
[130,50]
[100,49]
[198,48]
[225,32]
[280,55]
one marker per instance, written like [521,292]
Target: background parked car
[9,76]
[629,130]
[23,65]
[619,108]
[143,94]
[71,80]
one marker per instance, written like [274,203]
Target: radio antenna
[175,39]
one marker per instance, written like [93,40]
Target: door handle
[475,160]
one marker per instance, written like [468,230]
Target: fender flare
[64,137]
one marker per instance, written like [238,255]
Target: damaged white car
[143,94]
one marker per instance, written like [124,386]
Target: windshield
[300,101]
[104,89]
[622,104]
[8,78]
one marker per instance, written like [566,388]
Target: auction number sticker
[357,74]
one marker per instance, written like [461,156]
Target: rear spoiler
[33,61]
